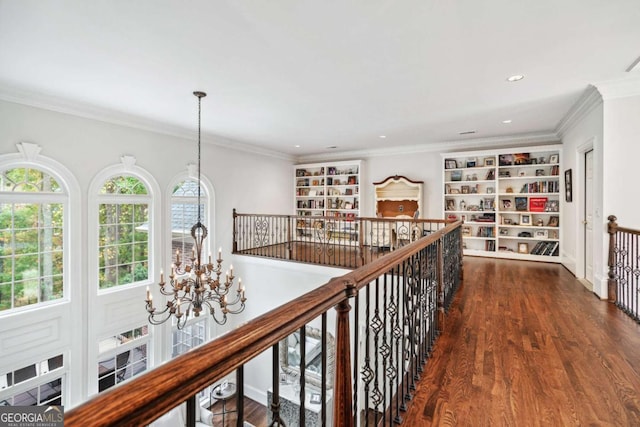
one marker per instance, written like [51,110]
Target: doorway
[588,218]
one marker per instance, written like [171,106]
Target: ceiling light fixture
[197,286]
[506,121]
[383,136]
[515,78]
[297,146]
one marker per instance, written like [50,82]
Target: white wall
[245,181]
[586,133]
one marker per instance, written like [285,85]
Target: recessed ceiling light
[506,121]
[297,146]
[515,78]
[383,136]
[467,132]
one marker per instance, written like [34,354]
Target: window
[122,356]
[32,210]
[45,393]
[192,335]
[123,238]
[184,215]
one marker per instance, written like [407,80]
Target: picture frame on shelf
[541,234]
[540,172]
[553,159]
[471,163]
[521,203]
[450,164]
[464,189]
[450,205]
[505,159]
[455,191]
[525,219]
[315,398]
[466,230]
[504,231]
[490,190]
[554,221]
[456,175]
[523,248]
[521,159]
[552,206]
[489,161]
[507,221]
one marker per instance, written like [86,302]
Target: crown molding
[624,87]
[91,112]
[589,100]
[439,147]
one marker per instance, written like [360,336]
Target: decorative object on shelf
[567,186]
[489,161]
[450,164]
[521,203]
[553,158]
[525,219]
[523,248]
[554,221]
[197,286]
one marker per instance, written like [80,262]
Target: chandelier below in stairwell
[197,286]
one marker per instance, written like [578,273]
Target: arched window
[123,247]
[33,205]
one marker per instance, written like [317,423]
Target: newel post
[235,232]
[342,384]
[612,229]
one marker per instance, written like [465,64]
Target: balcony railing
[624,268]
[340,242]
[364,376]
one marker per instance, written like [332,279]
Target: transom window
[184,215]
[32,209]
[123,247]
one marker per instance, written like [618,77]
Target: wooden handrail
[148,396]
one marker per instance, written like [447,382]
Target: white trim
[101,301]
[589,100]
[579,200]
[74,294]
[92,112]
[509,141]
[619,88]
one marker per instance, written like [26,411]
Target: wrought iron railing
[624,268]
[381,345]
[341,242]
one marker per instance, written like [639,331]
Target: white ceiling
[324,73]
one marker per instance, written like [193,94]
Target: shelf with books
[522,194]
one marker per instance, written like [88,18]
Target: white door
[588,217]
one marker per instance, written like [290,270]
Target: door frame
[579,199]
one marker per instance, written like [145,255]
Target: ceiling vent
[467,132]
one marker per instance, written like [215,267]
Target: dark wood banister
[157,391]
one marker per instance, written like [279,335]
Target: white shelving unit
[329,189]
[509,201]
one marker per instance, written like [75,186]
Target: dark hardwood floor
[527,345]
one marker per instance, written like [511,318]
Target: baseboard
[256,394]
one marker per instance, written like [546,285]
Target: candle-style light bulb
[161,276]
[148,294]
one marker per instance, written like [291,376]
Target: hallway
[525,344]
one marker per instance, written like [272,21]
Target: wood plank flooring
[525,344]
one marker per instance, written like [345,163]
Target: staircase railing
[324,240]
[381,345]
[624,268]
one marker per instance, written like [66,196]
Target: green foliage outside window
[31,241]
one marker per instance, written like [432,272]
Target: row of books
[541,187]
[485,232]
[546,248]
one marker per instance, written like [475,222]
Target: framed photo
[504,231]
[450,164]
[466,231]
[521,203]
[490,190]
[490,161]
[507,221]
[567,186]
[450,205]
[523,248]
[541,234]
[456,175]
[525,219]
[554,221]
[540,172]
[283,378]
[507,204]
[505,159]
[465,189]
[553,158]
[315,398]
[471,163]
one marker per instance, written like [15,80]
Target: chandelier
[194,287]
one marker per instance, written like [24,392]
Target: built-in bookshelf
[329,189]
[509,201]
